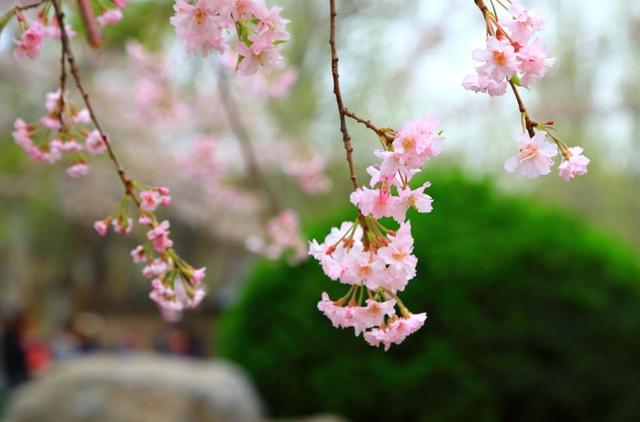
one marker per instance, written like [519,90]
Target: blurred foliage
[533,316]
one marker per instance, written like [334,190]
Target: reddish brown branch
[346,138]
[529,124]
[94,35]
[363,121]
[64,39]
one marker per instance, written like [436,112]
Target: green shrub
[532,316]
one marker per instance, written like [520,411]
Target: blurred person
[14,356]
[179,340]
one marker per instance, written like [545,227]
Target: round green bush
[532,316]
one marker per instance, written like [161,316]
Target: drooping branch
[244,139]
[93,30]
[64,39]
[346,138]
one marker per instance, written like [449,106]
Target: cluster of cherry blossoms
[309,173]
[282,235]
[535,158]
[514,56]
[33,32]
[377,261]
[62,132]
[205,25]
[110,15]
[512,52]
[175,284]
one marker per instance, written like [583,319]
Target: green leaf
[4,19]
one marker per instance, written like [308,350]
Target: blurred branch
[64,38]
[242,135]
[93,31]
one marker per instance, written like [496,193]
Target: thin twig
[529,124]
[64,38]
[365,122]
[242,135]
[19,8]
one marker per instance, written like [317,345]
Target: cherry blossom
[260,31]
[535,156]
[30,42]
[575,165]
[110,17]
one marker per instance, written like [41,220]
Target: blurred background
[532,287]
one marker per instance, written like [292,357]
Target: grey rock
[137,388]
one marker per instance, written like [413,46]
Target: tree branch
[242,135]
[346,138]
[64,39]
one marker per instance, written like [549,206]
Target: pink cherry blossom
[396,332]
[101,226]
[533,62]
[110,17]
[258,55]
[524,23]
[282,235]
[81,117]
[159,236]
[482,83]
[399,252]
[138,254]
[198,275]
[499,59]
[78,169]
[416,198]
[94,143]
[575,165]
[122,225]
[534,157]
[30,42]
[149,200]
[155,268]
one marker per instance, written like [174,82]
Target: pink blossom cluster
[33,34]
[376,270]
[390,194]
[204,26]
[111,16]
[282,235]
[62,132]
[155,94]
[310,174]
[535,158]
[512,53]
[175,284]
[378,262]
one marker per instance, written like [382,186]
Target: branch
[346,138]
[64,38]
[342,111]
[386,135]
[530,124]
[242,135]
[93,31]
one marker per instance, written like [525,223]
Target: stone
[137,388]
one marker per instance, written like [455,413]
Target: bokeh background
[532,287]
